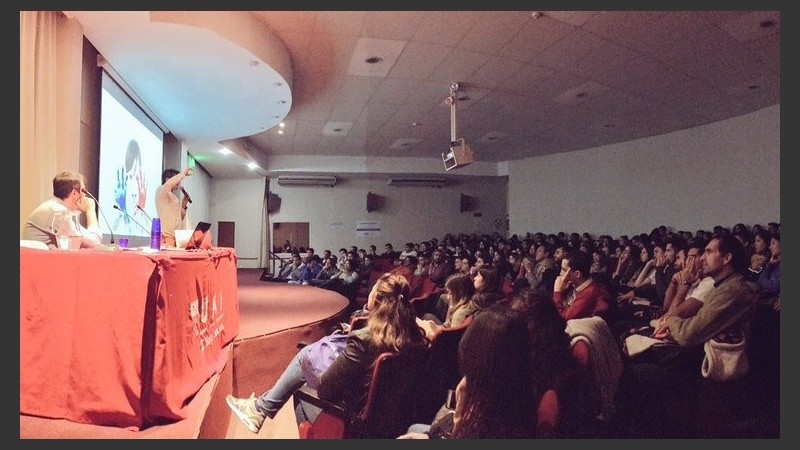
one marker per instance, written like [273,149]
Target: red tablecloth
[122,338]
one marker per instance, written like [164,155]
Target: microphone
[186,194]
[144,212]
[116,206]
[101,212]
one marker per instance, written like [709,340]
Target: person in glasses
[68,195]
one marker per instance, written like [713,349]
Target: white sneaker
[245,409]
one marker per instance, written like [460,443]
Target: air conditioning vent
[311,180]
[418,182]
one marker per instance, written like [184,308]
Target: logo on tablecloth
[206,320]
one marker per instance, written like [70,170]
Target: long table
[122,338]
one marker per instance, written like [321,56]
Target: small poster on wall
[366,228]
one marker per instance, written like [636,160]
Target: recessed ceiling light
[282,125]
[224,151]
[415,124]
[252,165]
[373,60]
[280,131]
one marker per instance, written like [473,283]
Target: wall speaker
[273,203]
[373,202]
[467,203]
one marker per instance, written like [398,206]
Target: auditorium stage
[274,318]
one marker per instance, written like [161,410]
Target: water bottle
[66,228]
[155,234]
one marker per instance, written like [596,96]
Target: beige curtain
[50,62]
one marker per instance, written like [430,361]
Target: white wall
[723,173]
[242,202]
[198,186]
[409,213]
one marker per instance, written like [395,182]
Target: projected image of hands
[131,162]
[142,182]
[120,191]
[130,193]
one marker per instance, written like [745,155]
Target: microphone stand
[117,207]
[144,212]
[110,231]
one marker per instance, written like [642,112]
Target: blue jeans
[289,382]
[419,428]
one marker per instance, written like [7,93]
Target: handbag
[316,358]
[442,424]
[725,357]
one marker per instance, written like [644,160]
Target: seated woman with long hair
[488,287]
[495,399]
[459,291]
[391,326]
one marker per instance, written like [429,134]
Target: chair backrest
[389,408]
[422,286]
[424,300]
[547,415]
[441,372]
[383,265]
[580,353]
[583,399]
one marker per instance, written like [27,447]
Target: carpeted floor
[273,319]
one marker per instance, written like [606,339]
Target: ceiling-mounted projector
[459,155]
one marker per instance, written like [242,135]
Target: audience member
[309,271]
[389,252]
[761,254]
[391,326]
[439,268]
[345,282]
[545,271]
[663,374]
[459,293]
[489,406]
[291,270]
[552,364]
[408,250]
[688,288]
[488,287]
[575,293]
[767,320]
[328,271]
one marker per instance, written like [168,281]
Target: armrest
[309,395]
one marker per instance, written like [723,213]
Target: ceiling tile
[387,50]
